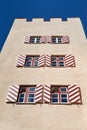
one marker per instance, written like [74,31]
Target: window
[35,40]
[59,94]
[31,61]
[57,61]
[26,94]
[57,39]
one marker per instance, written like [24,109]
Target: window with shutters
[57,39]
[35,39]
[26,94]
[58,61]
[59,94]
[31,61]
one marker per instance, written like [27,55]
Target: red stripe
[74,93]
[75,98]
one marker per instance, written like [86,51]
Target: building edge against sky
[48,40]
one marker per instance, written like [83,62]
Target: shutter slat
[69,61]
[47,93]
[48,60]
[48,39]
[41,61]
[12,93]
[65,39]
[27,39]
[74,94]
[42,39]
[38,93]
[21,60]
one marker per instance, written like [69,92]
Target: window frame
[35,39]
[57,39]
[32,61]
[59,93]
[26,94]
[57,61]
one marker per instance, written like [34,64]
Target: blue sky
[11,9]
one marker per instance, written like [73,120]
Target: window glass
[54,98]
[63,89]
[31,61]
[61,64]
[32,89]
[31,98]
[64,98]
[53,63]
[57,61]
[35,39]
[21,98]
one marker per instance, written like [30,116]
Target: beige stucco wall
[41,117]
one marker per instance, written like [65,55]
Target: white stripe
[40,91]
[45,99]
[9,99]
[45,87]
[76,99]
[48,92]
[45,95]
[12,91]
[9,94]
[36,100]
[77,94]
[14,88]
[36,96]
[72,87]
[73,91]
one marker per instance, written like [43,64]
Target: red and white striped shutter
[41,61]
[74,94]
[65,39]
[42,39]
[12,93]
[69,61]
[21,60]
[38,93]
[47,93]
[48,39]
[48,60]
[27,39]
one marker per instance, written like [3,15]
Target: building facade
[43,76]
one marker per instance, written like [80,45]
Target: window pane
[31,95]
[54,100]
[61,58]
[32,89]
[53,63]
[28,58]
[37,40]
[54,39]
[22,89]
[54,89]
[63,89]
[36,58]
[59,40]
[53,58]
[61,63]
[30,99]
[21,97]
[32,39]
[36,64]
[28,63]
[64,100]
[64,95]
[54,95]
